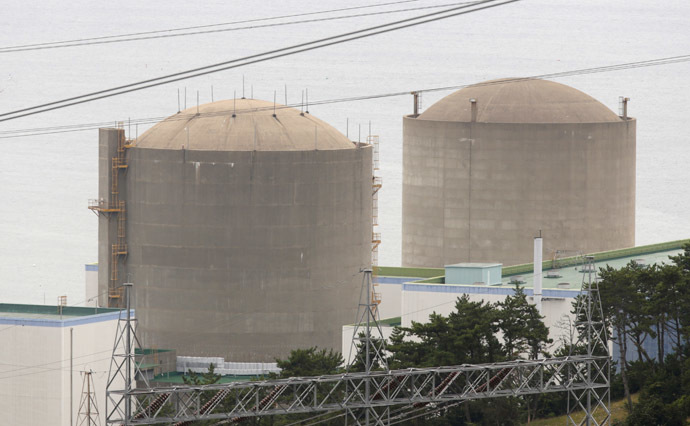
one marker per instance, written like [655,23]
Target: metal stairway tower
[114,209]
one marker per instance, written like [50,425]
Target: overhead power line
[252,59]
[6,134]
[205,26]
[170,33]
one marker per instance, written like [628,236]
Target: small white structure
[39,343]
[91,284]
[347,349]
[198,364]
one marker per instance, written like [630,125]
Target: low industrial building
[412,294]
[44,355]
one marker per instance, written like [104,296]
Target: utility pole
[71,376]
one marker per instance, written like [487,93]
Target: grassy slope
[618,412]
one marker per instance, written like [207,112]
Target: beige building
[487,167]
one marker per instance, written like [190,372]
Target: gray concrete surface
[480,191]
[107,229]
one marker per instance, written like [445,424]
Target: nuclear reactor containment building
[243,231]
[487,167]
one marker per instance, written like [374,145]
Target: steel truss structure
[417,387]
[367,397]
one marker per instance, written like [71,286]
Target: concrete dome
[252,129]
[520,101]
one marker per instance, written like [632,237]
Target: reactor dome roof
[520,100]
[253,128]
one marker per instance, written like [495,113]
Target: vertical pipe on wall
[71,376]
[537,271]
[473,106]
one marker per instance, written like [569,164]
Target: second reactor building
[243,228]
[487,167]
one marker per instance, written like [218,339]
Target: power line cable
[235,319]
[211,327]
[182,76]
[397,416]
[14,133]
[303,421]
[443,406]
[26,367]
[99,40]
[252,59]
[48,370]
[205,26]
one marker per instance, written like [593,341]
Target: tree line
[651,304]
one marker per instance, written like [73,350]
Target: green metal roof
[573,274]
[568,268]
[149,351]
[176,377]
[392,322]
[16,310]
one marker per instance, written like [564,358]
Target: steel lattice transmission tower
[591,402]
[120,406]
[368,345]
[88,409]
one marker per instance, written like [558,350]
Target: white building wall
[91,285]
[418,305]
[418,301]
[391,295]
[31,395]
[348,331]
[35,368]
[415,302]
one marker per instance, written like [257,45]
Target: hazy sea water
[46,232]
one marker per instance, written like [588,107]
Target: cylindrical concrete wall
[248,254]
[480,191]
